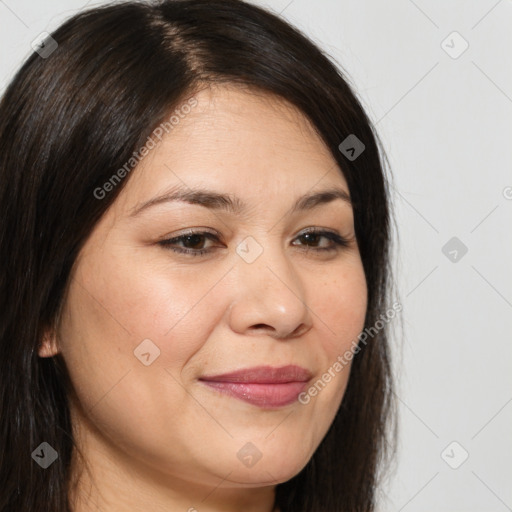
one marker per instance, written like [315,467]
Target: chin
[269,472]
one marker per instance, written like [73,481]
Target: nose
[269,297]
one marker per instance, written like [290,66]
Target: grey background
[446,124]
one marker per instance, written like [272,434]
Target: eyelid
[334,236]
[209,231]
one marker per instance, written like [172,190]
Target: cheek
[340,307]
[104,322]
[114,308]
[142,299]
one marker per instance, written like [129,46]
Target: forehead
[250,144]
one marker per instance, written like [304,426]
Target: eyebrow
[232,204]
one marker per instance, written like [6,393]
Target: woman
[195,241]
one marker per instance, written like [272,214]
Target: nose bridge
[269,292]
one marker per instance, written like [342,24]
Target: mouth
[263,386]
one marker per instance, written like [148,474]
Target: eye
[193,242]
[314,235]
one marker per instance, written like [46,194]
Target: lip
[263,375]
[262,386]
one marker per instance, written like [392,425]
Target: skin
[154,437]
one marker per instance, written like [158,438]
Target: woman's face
[142,324]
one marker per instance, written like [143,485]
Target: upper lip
[263,375]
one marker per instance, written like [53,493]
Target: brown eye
[192,243]
[312,238]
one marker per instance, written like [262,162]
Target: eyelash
[339,242]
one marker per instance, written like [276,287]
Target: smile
[262,386]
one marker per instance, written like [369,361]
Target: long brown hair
[69,121]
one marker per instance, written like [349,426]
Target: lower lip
[262,395]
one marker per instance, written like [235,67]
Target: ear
[48,346]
